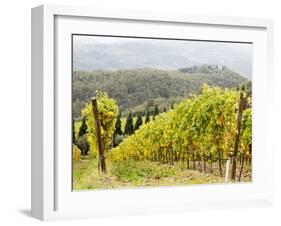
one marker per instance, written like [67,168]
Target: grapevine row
[200,130]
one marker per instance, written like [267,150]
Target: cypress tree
[156,111]
[129,126]
[147,118]
[138,122]
[83,128]
[164,110]
[83,144]
[117,135]
[118,128]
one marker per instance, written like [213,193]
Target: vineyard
[196,137]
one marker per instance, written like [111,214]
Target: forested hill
[137,89]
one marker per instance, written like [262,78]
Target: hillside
[137,89]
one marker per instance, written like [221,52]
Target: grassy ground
[135,174]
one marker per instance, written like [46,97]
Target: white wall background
[15,111]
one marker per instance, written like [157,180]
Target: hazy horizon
[100,53]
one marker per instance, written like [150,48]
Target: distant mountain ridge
[132,55]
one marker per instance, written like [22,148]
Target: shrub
[76,152]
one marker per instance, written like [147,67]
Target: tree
[138,122]
[156,111]
[129,126]
[118,134]
[147,116]
[118,128]
[164,109]
[83,127]
[83,145]
[117,139]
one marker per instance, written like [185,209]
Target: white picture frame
[52,197]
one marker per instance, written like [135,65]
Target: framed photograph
[136,113]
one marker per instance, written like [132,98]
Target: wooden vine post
[237,137]
[102,163]
[227,170]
